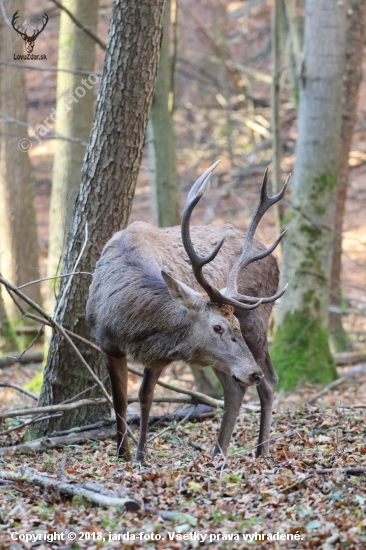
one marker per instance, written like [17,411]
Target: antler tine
[248,255]
[198,261]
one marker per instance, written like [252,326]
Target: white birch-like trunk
[301,349]
[74,115]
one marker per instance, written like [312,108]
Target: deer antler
[230,295]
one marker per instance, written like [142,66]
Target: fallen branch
[71,489]
[53,408]
[100,431]
[355,406]
[95,401]
[19,389]
[30,356]
[350,358]
[347,471]
[46,443]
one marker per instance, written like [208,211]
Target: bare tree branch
[45,69]
[81,26]
[19,389]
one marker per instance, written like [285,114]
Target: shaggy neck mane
[155,326]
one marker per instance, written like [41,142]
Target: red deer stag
[146,302]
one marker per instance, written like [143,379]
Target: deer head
[216,333]
[29,40]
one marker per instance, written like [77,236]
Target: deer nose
[256,378]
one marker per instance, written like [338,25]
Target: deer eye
[218,329]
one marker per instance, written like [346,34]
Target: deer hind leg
[266,391]
[146,394]
[117,369]
[233,397]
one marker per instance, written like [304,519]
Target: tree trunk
[74,109]
[355,36]
[107,187]
[18,231]
[164,194]
[275,106]
[301,349]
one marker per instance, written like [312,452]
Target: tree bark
[275,106]
[165,196]
[301,349]
[108,182]
[76,50]
[18,231]
[355,36]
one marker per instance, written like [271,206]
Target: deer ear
[182,293]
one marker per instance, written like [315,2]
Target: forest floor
[186,492]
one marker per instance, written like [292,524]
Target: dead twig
[168,428]
[327,389]
[28,422]
[70,489]
[55,277]
[266,441]
[62,407]
[19,389]
[298,482]
[199,397]
[56,326]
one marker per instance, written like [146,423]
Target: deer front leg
[146,395]
[233,397]
[117,369]
[266,395]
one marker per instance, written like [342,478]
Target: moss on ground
[300,352]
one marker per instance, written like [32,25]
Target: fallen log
[99,432]
[72,489]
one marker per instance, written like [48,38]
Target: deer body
[145,302]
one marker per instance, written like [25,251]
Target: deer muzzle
[254,379]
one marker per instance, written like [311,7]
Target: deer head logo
[29,40]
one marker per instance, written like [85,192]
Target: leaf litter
[186,491]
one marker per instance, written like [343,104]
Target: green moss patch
[300,352]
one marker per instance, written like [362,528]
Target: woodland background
[229,87]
